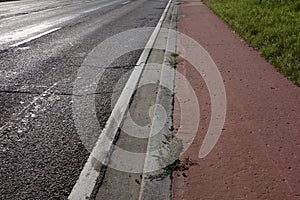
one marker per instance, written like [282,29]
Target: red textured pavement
[258,153]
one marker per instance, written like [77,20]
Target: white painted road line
[126,2]
[99,7]
[27,31]
[24,32]
[34,37]
[88,176]
[33,12]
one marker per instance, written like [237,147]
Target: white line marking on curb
[34,37]
[88,176]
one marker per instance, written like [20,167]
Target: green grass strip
[273,28]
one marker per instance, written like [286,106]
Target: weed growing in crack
[173,59]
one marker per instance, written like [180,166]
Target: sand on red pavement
[258,153]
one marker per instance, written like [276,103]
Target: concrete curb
[84,186]
[162,189]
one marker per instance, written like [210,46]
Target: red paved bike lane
[258,153]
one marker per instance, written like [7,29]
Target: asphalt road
[42,45]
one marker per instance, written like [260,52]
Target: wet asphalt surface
[41,154]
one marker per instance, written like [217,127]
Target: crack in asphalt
[53,93]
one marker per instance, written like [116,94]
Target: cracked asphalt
[41,154]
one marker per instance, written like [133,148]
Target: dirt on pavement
[258,153]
